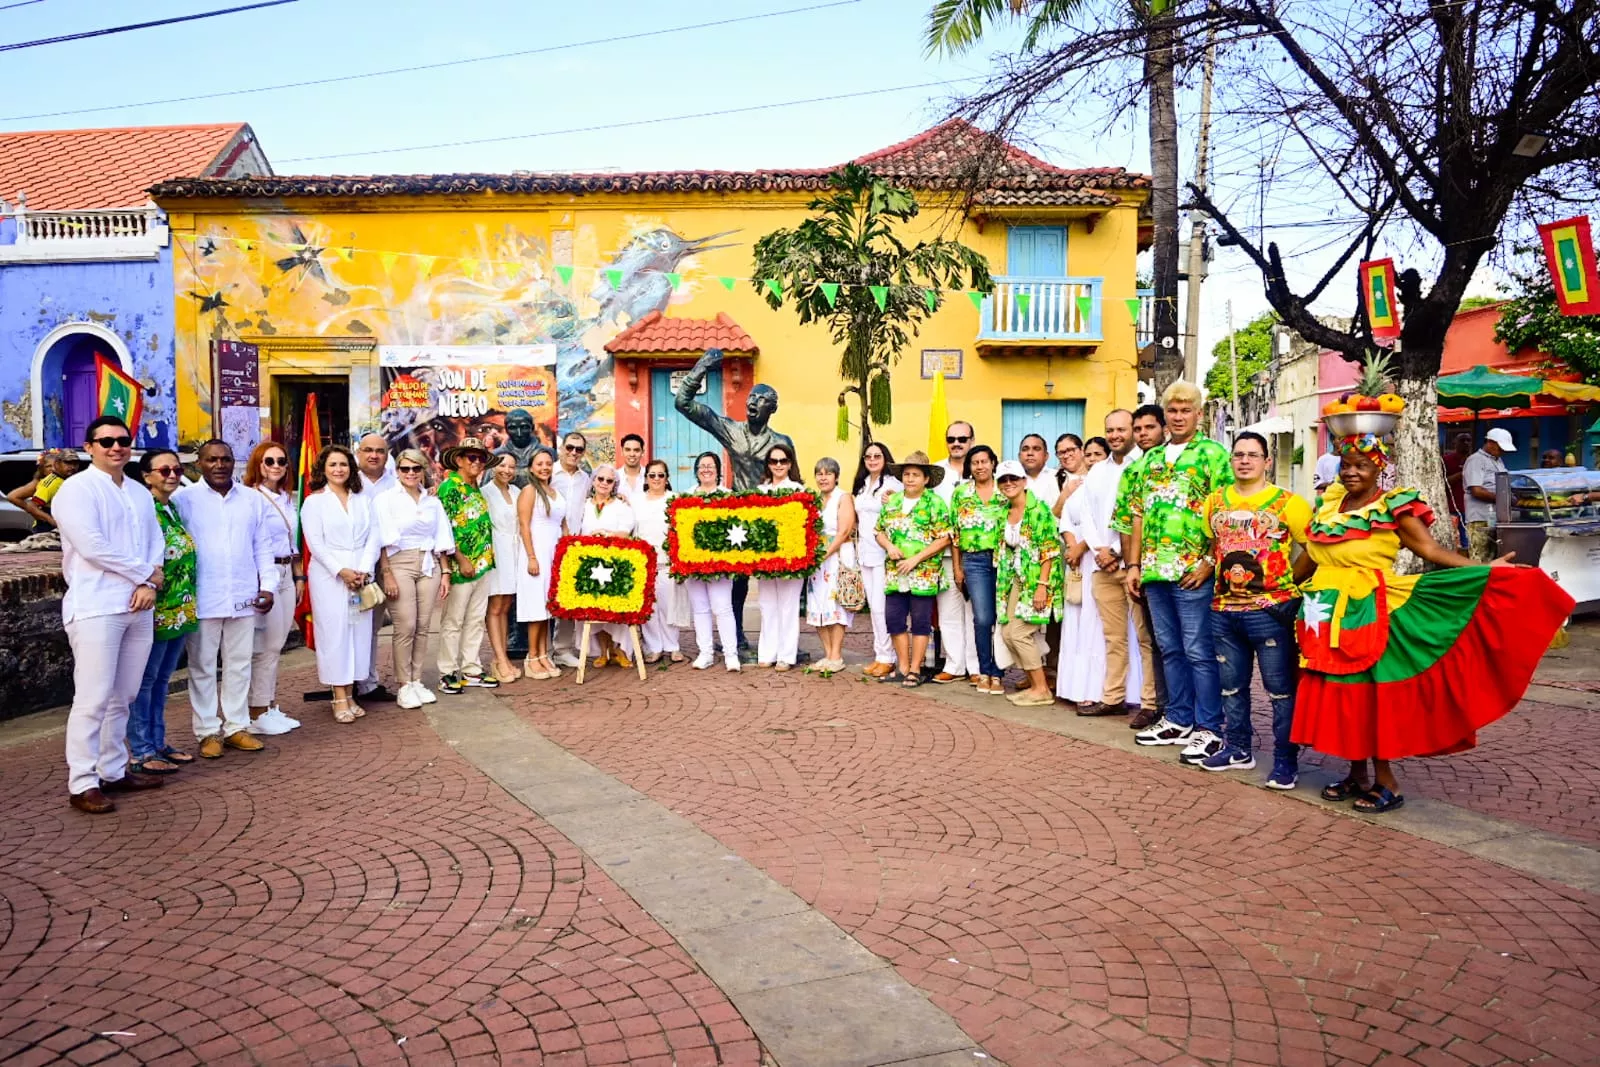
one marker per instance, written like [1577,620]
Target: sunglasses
[409,468]
[268,461]
[123,441]
[777,461]
[656,474]
[605,481]
[952,440]
[167,472]
[475,458]
[576,449]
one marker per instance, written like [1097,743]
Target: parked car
[15,524]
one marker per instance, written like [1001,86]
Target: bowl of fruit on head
[1372,408]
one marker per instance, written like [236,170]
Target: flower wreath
[603,579]
[733,534]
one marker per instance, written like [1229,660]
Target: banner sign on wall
[435,395]
[236,369]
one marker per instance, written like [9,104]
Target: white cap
[1010,469]
[1501,438]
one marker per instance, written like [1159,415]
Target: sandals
[1378,801]
[174,755]
[679,657]
[1345,790]
[144,766]
[910,681]
[343,712]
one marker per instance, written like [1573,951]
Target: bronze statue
[520,442]
[747,441]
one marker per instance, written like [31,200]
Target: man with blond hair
[1160,514]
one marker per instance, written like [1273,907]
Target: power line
[427,66]
[625,125]
[138,25]
[24,3]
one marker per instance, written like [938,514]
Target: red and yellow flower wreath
[603,579]
[731,534]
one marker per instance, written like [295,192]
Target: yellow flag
[938,419]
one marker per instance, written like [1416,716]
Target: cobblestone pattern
[1072,904]
[348,888]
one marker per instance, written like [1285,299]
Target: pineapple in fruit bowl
[1372,408]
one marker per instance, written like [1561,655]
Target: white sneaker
[407,697]
[733,663]
[567,659]
[702,661]
[1203,744]
[269,724]
[279,715]
[423,693]
[1164,732]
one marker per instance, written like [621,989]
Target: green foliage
[761,535]
[851,238]
[621,583]
[956,25]
[1253,342]
[1533,319]
[1470,303]
[1299,455]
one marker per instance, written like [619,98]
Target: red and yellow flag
[118,393]
[1569,249]
[1377,294]
[310,445]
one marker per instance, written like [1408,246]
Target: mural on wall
[297,277]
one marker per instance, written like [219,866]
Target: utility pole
[1197,223]
[1233,366]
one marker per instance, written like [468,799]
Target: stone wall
[35,659]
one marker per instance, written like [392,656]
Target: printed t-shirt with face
[1252,538]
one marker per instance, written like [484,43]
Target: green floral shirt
[978,525]
[1019,566]
[1171,500]
[912,530]
[175,604]
[468,513]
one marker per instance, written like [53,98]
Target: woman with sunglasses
[779,643]
[175,618]
[712,599]
[660,631]
[872,486]
[607,513]
[501,493]
[541,522]
[342,534]
[416,537]
[268,473]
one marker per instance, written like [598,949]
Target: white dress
[822,590]
[1081,671]
[869,504]
[509,560]
[617,519]
[544,529]
[340,538]
[660,631]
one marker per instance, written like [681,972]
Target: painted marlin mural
[644,263]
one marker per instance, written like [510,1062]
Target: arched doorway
[65,398]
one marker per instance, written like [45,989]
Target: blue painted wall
[132,299]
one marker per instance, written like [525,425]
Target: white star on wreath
[601,574]
[1315,612]
[737,536]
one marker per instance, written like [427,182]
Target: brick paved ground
[351,886]
[1068,903]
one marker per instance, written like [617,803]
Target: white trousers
[957,635]
[780,620]
[109,653]
[713,600]
[219,675]
[882,645]
[272,630]
[466,612]
[660,632]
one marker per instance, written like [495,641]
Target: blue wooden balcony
[1042,310]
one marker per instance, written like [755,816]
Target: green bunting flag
[674,279]
[976,298]
[1024,301]
[614,277]
[880,293]
[830,292]
[774,286]
[1133,309]
[565,274]
[1085,309]
[932,297]
[727,283]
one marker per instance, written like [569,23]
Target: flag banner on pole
[310,445]
[1377,294]
[118,393]
[1569,250]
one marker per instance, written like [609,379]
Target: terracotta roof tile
[69,170]
[657,333]
[948,157]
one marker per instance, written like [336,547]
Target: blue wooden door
[674,438]
[1037,251]
[1047,418]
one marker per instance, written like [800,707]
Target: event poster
[435,395]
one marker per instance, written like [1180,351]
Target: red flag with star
[1569,250]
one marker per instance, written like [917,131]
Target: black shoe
[378,695]
[451,684]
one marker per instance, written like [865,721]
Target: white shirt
[573,487]
[1479,469]
[405,524]
[283,522]
[111,541]
[869,504]
[615,518]
[1043,485]
[1327,471]
[233,548]
[377,486]
[1100,491]
[629,486]
[651,520]
[952,478]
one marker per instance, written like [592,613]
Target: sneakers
[272,721]
[423,693]
[451,684]
[407,697]
[568,659]
[702,661]
[732,663]
[1229,759]
[1163,732]
[1284,775]
[1203,744]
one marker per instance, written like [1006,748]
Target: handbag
[1073,591]
[371,596]
[849,590]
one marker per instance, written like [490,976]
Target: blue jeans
[1182,630]
[978,568]
[147,717]
[1267,637]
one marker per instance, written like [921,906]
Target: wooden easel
[583,650]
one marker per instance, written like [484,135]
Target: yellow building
[428,306]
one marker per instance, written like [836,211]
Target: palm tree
[957,25]
[846,266]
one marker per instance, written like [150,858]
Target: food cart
[1551,519]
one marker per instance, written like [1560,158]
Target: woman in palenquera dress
[1406,665]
